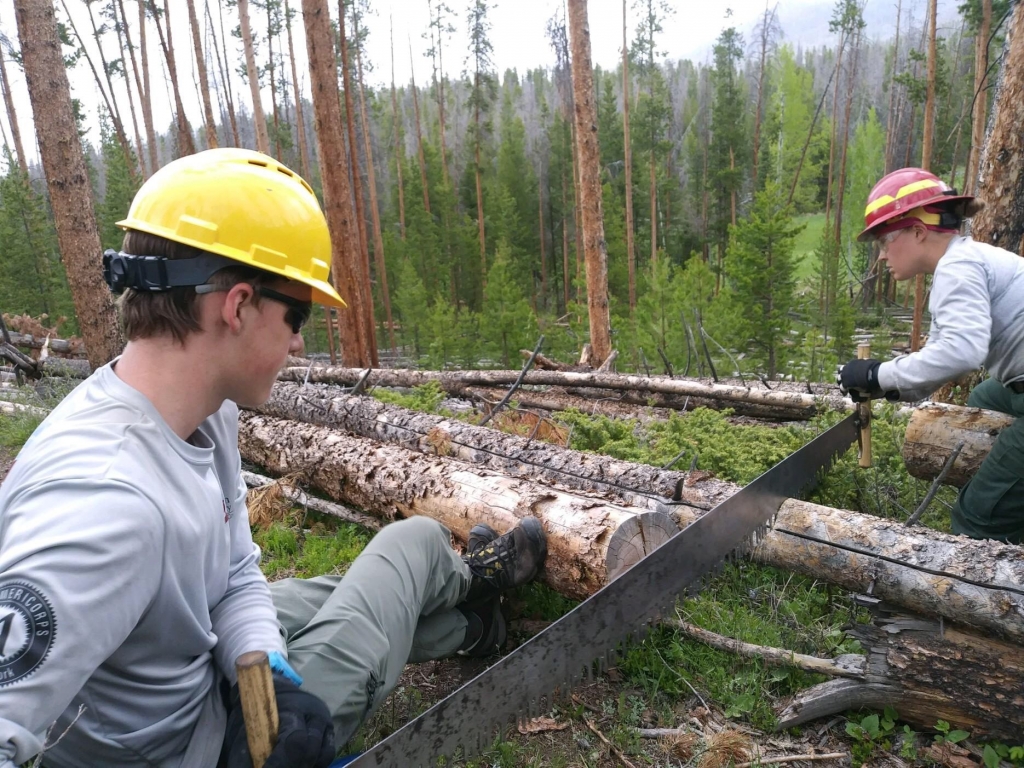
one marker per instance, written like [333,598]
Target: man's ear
[236,298]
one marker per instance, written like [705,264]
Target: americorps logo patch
[27,630]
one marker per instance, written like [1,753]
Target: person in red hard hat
[977,309]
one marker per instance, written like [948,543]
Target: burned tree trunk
[936,429]
[589,540]
[452,381]
[1001,175]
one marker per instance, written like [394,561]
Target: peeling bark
[589,540]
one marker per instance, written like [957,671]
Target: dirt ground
[6,462]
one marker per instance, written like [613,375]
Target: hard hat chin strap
[158,273]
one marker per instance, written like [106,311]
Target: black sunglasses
[298,311]
[296,316]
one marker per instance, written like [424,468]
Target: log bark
[926,671]
[450,381]
[589,540]
[510,454]
[934,431]
[71,347]
[633,404]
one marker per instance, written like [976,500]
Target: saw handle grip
[259,704]
[864,412]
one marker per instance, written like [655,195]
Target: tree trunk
[399,146]
[840,194]
[225,70]
[371,176]
[595,248]
[936,429]
[121,27]
[369,322]
[926,162]
[1001,174]
[452,380]
[890,122]
[766,23]
[628,149]
[926,671]
[300,121]
[589,541]
[980,98]
[204,83]
[419,133]
[186,146]
[66,178]
[147,94]
[273,84]
[260,119]
[347,271]
[60,347]
[835,122]
[108,101]
[12,117]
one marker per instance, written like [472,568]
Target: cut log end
[636,538]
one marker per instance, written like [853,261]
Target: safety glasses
[296,315]
[887,239]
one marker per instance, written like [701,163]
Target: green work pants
[991,505]
[351,637]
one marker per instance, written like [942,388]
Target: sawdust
[726,747]
[269,504]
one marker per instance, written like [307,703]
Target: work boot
[508,561]
[480,535]
[485,628]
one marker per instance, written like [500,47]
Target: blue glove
[305,737]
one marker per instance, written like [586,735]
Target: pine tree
[762,274]
[480,99]
[507,323]
[120,187]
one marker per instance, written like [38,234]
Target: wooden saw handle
[259,704]
[864,410]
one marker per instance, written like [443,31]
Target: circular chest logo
[27,629]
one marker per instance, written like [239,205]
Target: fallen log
[806,404]
[934,431]
[926,671]
[71,347]
[630,483]
[632,404]
[971,582]
[589,540]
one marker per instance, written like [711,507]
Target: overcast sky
[518,36]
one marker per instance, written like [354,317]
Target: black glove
[305,738]
[859,379]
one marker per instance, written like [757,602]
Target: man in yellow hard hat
[129,581]
[977,309]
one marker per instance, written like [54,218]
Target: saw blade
[547,667]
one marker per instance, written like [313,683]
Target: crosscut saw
[529,680]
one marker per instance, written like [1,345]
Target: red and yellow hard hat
[906,195]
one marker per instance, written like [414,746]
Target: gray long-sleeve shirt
[977,308]
[129,584]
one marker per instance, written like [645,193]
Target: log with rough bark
[968,581]
[934,431]
[631,404]
[926,671]
[805,404]
[631,484]
[73,347]
[589,540]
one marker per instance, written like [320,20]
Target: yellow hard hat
[242,205]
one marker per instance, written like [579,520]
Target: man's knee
[416,528]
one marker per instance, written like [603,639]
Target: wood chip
[540,725]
